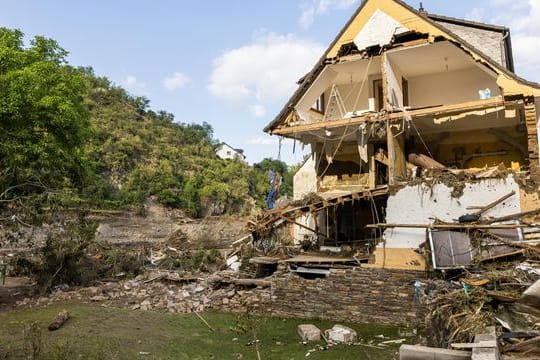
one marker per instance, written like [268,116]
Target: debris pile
[509,298]
[164,291]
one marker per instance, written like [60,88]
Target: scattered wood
[265,260]
[490,352]
[533,343]
[59,320]
[204,321]
[502,297]
[310,259]
[514,216]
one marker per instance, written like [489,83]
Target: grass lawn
[94,332]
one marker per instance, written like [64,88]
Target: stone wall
[350,294]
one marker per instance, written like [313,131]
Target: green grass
[107,333]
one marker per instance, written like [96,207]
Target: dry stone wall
[352,294]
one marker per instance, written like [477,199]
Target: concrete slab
[417,352]
[309,332]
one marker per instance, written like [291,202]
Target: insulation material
[442,119]
[395,93]
[362,139]
[379,30]
[323,82]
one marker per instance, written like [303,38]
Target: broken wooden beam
[304,227]
[424,161]
[514,216]
[490,352]
[59,320]
[495,203]
[448,226]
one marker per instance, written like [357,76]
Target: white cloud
[258,110]
[264,72]
[264,140]
[176,81]
[132,84]
[313,8]
[476,14]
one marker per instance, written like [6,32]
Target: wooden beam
[303,226]
[434,110]
[514,216]
[448,226]
[494,203]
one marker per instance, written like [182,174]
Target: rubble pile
[163,293]
[459,310]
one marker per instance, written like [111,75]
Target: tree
[43,117]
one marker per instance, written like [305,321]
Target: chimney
[421,10]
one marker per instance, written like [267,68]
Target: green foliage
[43,118]
[71,138]
[33,341]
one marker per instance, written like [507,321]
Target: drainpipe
[506,50]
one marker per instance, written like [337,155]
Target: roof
[469,23]
[432,19]
[241,151]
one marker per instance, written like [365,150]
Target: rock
[308,332]
[99,298]
[186,294]
[199,289]
[341,334]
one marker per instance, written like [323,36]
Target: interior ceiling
[354,71]
[428,59]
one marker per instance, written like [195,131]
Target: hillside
[73,139]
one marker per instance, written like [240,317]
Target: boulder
[341,334]
[309,332]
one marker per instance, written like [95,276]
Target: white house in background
[226,152]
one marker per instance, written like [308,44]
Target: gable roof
[308,79]
[481,35]
[241,151]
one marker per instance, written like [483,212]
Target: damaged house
[415,122]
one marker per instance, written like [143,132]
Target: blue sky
[231,63]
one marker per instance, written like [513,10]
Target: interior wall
[349,93]
[450,87]
[395,91]
[304,182]
[420,204]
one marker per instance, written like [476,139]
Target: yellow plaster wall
[479,141]
[393,258]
